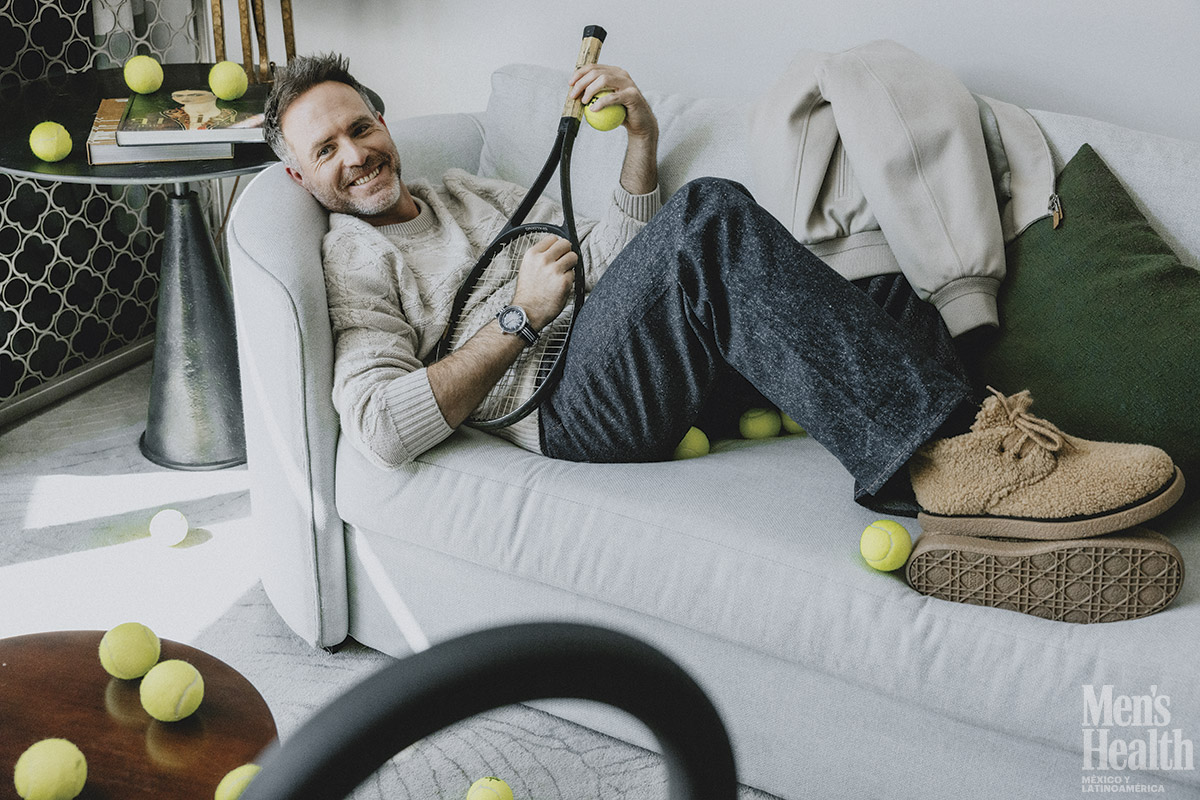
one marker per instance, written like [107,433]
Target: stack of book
[174,125]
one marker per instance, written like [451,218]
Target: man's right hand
[544,280]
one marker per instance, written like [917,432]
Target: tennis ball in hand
[172,691]
[694,444]
[606,118]
[129,650]
[168,527]
[143,74]
[489,789]
[885,545]
[790,425]
[50,141]
[760,423]
[236,781]
[227,80]
[52,769]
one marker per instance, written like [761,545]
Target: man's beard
[382,200]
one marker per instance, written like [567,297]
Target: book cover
[171,116]
[102,147]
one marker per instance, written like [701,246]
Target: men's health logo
[1125,733]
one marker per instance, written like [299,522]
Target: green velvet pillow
[1101,321]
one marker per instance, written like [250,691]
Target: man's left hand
[640,121]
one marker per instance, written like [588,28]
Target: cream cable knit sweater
[390,290]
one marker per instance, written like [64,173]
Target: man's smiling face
[344,155]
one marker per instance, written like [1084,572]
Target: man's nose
[353,152]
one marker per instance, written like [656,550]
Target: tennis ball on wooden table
[236,781]
[168,527]
[50,141]
[790,425]
[885,545]
[760,423]
[227,80]
[52,769]
[694,444]
[143,74]
[489,789]
[172,691]
[129,650]
[604,119]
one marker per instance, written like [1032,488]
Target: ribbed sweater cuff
[414,413]
[967,303]
[639,206]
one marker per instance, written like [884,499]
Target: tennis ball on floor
[172,691]
[790,425]
[143,74]
[168,527]
[489,789]
[606,118]
[760,423]
[227,80]
[694,444]
[236,781]
[52,769]
[50,141]
[129,650]
[885,545]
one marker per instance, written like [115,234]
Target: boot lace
[1028,429]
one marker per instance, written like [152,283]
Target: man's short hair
[301,74]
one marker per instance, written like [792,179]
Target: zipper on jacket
[1056,210]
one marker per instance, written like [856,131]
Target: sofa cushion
[1091,317]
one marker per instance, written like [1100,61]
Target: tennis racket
[489,286]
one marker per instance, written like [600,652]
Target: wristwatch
[513,320]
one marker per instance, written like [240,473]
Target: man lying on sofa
[703,292]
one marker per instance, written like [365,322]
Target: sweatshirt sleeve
[380,387]
[625,216]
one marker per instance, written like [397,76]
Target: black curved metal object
[403,703]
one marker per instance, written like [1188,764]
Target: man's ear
[382,121]
[295,175]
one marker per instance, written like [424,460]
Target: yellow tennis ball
[129,650]
[760,423]
[694,444]
[50,141]
[606,118]
[790,425]
[168,527]
[489,789]
[227,80]
[172,691]
[236,781]
[143,74]
[885,545]
[52,769]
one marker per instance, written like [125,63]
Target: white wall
[1132,62]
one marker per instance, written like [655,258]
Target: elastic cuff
[415,414]
[968,303]
[639,206]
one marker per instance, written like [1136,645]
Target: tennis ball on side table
[168,527]
[489,789]
[129,650]
[606,118]
[50,141]
[236,781]
[885,545]
[172,691]
[227,80]
[790,425]
[760,423]
[694,444]
[143,74]
[52,769]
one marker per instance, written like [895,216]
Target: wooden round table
[52,686]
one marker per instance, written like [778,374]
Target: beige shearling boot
[1018,476]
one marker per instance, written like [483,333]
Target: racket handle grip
[589,53]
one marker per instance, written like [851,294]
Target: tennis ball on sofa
[694,444]
[604,119]
[760,423]
[52,769]
[489,789]
[168,527]
[172,691]
[885,545]
[129,650]
[236,781]
[790,425]
[227,80]
[143,74]
[50,141]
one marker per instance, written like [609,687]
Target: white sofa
[834,680]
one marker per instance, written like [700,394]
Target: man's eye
[324,151]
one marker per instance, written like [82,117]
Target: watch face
[512,319]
